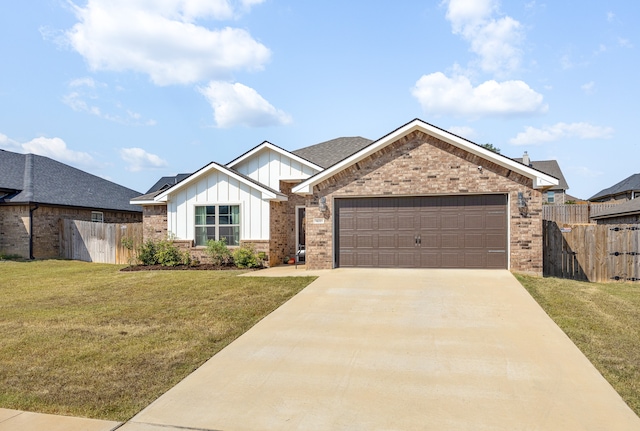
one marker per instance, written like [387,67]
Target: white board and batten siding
[218,188]
[269,167]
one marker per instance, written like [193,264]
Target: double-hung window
[551,197]
[97,217]
[218,222]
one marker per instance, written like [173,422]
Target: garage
[453,231]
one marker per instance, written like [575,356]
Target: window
[97,217]
[218,222]
[551,197]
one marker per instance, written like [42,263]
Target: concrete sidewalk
[397,350]
[15,420]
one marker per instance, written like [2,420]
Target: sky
[132,90]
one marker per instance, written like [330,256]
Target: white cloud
[610,16]
[163,40]
[589,87]
[463,131]
[86,94]
[559,131]
[138,159]
[495,40]
[584,171]
[54,148]
[239,105]
[441,95]
[625,43]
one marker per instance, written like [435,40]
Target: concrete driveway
[397,350]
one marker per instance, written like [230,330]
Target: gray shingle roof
[329,153]
[166,182]
[39,179]
[628,184]
[626,208]
[549,167]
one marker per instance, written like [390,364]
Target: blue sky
[131,90]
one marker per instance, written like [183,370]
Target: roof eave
[267,144]
[540,179]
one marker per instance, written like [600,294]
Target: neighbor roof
[166,182]
[329,153]
[627,208]
[540,179]
[267,191]
[552,168]
[39,179]
[628,184]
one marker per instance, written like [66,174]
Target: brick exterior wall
[154,222]
[282,228]
[419,164]
[14,230]
[14,227]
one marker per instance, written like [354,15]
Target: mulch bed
[200,267]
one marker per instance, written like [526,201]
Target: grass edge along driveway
[603,320]
[83,339]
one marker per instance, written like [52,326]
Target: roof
[540,179]
[329,153]
[628,184]
[627,208]
[267,192]
[166,182]
[266,144]
[552,168]
[39,179]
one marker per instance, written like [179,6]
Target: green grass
[603,320]
[87,340]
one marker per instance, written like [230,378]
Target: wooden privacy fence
[98,242]
[592,252]
[575,213]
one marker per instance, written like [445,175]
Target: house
[417,197]
[36,192]
[554,195]
[626,212]
[625,190]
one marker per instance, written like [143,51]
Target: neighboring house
[625,190]
[626,212]
[417,197]
[37,192]
[557,194]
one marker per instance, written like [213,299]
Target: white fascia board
[266,193]
[277,149]
[148,202]
[540,179]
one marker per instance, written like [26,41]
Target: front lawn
[84,339]
[603,320]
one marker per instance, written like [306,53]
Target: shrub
[164,253]
[245,257]
[167,254]
[147,253]
[218,252]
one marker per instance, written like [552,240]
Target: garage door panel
[428,232]
[474,240]
[497,260]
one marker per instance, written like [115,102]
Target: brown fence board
[98,242]
[574,213]
[592,252]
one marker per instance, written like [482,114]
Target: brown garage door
[464,231]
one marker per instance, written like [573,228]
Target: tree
[490,147]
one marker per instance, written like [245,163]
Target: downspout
[28,196]
[31,210]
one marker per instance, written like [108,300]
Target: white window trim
[218,204]
[96,213]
